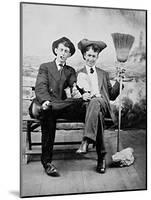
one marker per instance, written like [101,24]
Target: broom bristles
[123,44]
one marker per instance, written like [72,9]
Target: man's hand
[86,96]
[76,94]
[45,105]
[120,74]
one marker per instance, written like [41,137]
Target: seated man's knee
[94,101]
[98,104]
[46,114]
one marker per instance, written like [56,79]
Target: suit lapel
[100,77]
[84,70]
[54,71]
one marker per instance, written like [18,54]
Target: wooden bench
[31,126]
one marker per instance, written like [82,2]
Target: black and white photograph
[83,99]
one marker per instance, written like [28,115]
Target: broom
[122,43]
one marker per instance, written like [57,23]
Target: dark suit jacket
[106,89]
[49,85]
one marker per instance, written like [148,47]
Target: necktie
[91,70]
[61,67]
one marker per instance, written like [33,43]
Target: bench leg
[25,157]
[29,134]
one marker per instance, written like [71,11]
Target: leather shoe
[101,166]
[51,170]
[83,149]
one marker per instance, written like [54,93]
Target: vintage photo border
[21,84]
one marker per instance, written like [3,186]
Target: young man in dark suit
[52,80]
[98,99]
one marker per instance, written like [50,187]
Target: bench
[32,126]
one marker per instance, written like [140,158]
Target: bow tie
[91,70]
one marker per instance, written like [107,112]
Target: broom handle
[119,118]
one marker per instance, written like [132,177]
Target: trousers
[91,113]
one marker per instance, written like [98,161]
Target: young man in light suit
[98,99]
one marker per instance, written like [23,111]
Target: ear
[84,56]
[56,50]
[69,54]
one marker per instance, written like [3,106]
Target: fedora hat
[85,43]
[62,40]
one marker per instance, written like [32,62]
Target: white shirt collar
[88,68]
[58,66]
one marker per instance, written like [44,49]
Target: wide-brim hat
[61,40]
[85,43]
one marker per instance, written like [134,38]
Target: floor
[78,173]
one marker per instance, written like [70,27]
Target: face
[91,57]
[62,52]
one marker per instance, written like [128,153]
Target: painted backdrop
[42,24]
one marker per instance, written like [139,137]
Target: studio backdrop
[123,58]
